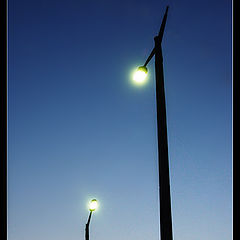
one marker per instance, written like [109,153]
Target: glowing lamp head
[140,75]
[93,205]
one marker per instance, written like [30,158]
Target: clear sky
[78,128]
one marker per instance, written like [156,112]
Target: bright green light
[93,205]
[140,75]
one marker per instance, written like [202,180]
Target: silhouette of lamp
[163,165]
[93,205]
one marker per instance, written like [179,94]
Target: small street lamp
[93,205]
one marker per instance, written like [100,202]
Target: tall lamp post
[163,165]
[92,207]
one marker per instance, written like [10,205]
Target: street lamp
[140,75]
[93,205]
[163,165]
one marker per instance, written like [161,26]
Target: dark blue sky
[79,128]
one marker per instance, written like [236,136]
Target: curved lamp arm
[160,36]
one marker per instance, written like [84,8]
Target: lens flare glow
[140,75]
[93,205]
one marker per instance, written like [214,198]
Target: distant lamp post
[163,165]
[93,205]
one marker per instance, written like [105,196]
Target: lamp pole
[163,164]
[87,226]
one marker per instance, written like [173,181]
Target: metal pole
[87,227]
[164,185]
